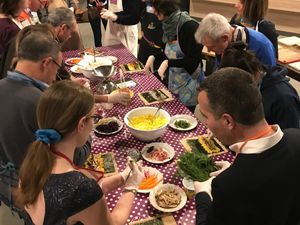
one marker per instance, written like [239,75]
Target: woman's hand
[162,69]
[149,65]
[136,176]
[122,98]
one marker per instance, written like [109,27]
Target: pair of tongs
[160,98]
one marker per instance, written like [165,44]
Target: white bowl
[87,65]
[167,187]
[147,135]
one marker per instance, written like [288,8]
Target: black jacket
[280,100]
[191,49]
[131,13]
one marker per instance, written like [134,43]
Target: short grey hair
[214,26]
[36,42]
[60,16]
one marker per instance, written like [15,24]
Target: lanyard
[256,136]
[91,171]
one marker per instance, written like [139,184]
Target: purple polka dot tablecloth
[121,142]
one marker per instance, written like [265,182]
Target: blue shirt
[262,48]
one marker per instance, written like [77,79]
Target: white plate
[69,62]
[188,184]
[75,69]
[112,58]
[169,149]
[193,122]
[182,194]
[107,120]
[151,172]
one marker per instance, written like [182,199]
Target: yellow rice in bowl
[147,122]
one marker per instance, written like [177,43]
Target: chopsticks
[159,107]
[94,53]
[122,79]
[210,135]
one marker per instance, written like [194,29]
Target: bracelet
[134,191]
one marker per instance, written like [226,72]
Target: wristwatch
[134,191]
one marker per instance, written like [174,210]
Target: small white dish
[167,187]
[75,69]
[188,184]
[165,148]
[106,121]
[152,171]
[191,120]
[72,61]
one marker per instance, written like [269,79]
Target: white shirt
[259,145]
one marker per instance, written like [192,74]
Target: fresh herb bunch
[195,166]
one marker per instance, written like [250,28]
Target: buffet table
[121,142]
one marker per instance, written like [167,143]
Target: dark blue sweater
[280,100]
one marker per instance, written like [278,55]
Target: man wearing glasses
[39,58]
[64,23]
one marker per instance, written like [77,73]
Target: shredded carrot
[149,182]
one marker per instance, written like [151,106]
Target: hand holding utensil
[122,78]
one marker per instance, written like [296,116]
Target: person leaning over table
[39,59]
[217,34]
[64,21]
[251,14]
[262,185]
[61,33]
[184,64]
[122,18]
[60,192]
[151,43]
[280,100]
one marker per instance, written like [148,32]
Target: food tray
[155,96]
[191,144]
[109,167]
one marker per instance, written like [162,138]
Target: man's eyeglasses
[61,73]
[56,63]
